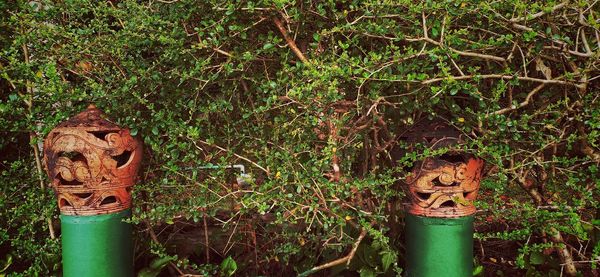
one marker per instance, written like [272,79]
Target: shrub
[311,96]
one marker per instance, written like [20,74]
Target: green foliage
[228,267]
[208,83]
[24,237]
[155,266]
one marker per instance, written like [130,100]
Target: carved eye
[84,195]
[109,200]
[448,204]
[452,158]
[64,203]
[100,135]
[123,159]
[423,195]
[470,195]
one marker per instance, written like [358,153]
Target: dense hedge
[312,97]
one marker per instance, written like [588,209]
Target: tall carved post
[93,165]
[439,222]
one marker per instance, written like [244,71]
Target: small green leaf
[536,258]
[159,263]
[268,46]
[228,267]
[367,272]
[155,266]
[387,259]
[7,263]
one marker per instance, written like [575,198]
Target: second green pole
[439,246]
[439,221]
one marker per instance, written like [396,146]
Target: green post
[93,165]
[97,245]
[439,246]
[439,222]
[439,219]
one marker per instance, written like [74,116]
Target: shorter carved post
[439,222]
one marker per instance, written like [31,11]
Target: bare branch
[347,259]
[32,136]
[239,156]
[505,77]
[223,52]
[539,14]
[462,53]
[290,42]
[522,104]
[362,235]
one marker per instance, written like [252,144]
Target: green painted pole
[97,245]
[438,246]
[93,164]
[442,190]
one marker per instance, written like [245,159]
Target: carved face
[441,187]
[92,164]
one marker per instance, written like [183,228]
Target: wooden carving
[441,187]
[92,163]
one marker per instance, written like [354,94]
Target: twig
[522,104]
[222,52]
[440,44]
[245,9]
[155,239]
[335,161]
[238,156]
[564,254]
[585,262]
[456,66]
[499,76]
[347,259]
[584,40]
[206,241]
[443,28]
[118,18]
[363,233]
[462,53]
[38,165]
[423,19]
[32,135]
[572,52]
[290,41]
[539,14]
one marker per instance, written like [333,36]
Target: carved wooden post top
[93,164]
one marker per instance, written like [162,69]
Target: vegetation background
[312,97]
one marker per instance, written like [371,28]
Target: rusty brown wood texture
[446,185]
[93,164]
